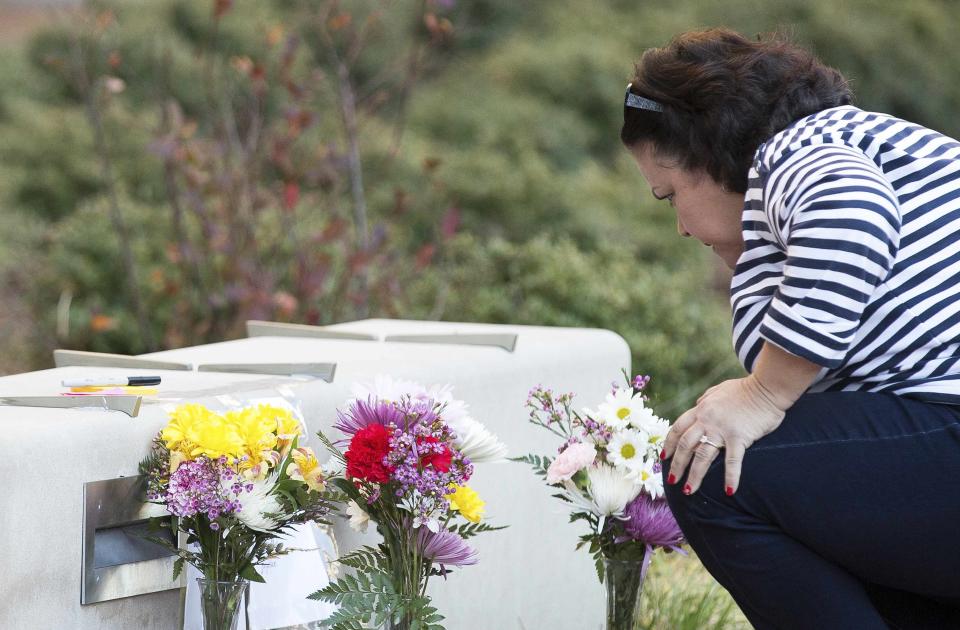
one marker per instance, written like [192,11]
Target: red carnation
[365,456]
[440,461]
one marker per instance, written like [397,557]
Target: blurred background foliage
[171,168]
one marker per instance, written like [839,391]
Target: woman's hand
[734,415]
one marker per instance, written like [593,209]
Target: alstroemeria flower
[307,469]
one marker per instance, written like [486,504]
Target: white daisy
[656,432]
[626,450]
[619,407]
[644,419]
[650,479]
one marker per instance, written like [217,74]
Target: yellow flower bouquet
[233,482]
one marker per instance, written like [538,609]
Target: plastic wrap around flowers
[410,454]
[235,481]
[608,469]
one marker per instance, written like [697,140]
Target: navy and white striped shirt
[851,259]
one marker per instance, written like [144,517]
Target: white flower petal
[476,442]
[359,518]
[256,504]
[611,490]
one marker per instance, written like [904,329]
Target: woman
[820,490]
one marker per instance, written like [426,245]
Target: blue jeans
[847,516]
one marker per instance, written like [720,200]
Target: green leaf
[469,530]
[348,489]
[249,572]
[539,463]
[177,567]
[332,448]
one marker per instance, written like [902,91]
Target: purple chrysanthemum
[650,521]
[445,547]
[363,413]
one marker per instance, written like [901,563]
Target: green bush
[515,127]
[677,335]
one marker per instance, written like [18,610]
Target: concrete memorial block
[529,575]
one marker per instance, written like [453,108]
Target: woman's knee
[710,494]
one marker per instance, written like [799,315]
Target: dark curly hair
[723,95]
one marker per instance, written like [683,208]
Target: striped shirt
[851,228]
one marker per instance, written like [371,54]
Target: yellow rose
[467,502]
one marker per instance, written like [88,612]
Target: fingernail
[663,455]
[687,489]
[729,491]
[672,479]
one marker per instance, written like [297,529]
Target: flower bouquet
[233,482]
[410,453]
[608,470]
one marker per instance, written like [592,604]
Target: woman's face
[704,209]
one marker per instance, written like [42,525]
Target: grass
[679,594]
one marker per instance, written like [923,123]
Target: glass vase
[221,603]
[624,582]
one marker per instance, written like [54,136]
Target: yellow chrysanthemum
[306,468]
[467,502]
[286,424]
[256,430]
[217,437]
[180,434]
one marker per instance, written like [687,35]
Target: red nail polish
[663,455]
[671,479]
[729,491]
[687,489]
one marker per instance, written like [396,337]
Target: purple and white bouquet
[410,453]
[608,470]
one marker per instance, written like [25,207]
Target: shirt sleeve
[838,219]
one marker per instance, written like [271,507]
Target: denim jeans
[847,516]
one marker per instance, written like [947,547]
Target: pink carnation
[577,457]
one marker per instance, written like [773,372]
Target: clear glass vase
[624,582]
[221,603]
